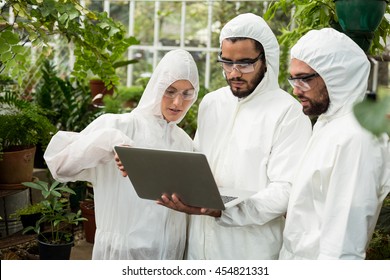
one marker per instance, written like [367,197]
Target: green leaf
[113,31]
[4,47]
[55,184]
[34,185]
[374,115]
[124,63]
[66,189]
[55,193]
[63,18]
[6,56]
[10,37]
[18,49]
[104,25]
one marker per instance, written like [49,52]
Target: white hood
[254,27]
[341,63]
[175,65]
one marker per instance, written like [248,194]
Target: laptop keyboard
[227,199]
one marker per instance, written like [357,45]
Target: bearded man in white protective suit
[343,175]
[252,133]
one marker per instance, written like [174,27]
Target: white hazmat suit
[253,144]
[340,182]
[128,227]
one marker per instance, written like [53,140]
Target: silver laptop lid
[155,172]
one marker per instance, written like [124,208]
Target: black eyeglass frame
[240,62]
[304,78]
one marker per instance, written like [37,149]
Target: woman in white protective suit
[129,227]
[343,175]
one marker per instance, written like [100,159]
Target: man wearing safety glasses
[342,178]
[252,133]
[236,69]
[302,84]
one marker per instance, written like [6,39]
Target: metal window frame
[156,47]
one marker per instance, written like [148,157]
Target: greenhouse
[286,100]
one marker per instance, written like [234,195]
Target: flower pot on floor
[88,211]
[50,251]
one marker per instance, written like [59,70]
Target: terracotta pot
[16,167]
[98,88]
[88,211]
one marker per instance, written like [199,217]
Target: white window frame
[156,47]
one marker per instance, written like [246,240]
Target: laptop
[154,172]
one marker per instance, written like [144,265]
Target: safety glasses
[187,94]
[302,82]
[243,66]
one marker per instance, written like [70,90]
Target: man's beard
[252,84]
[320,106]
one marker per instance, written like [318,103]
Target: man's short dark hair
[258,46]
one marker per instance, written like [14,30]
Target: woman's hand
[120,165]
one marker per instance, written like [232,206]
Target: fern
[22,123]
[70,104]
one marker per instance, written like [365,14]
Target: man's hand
[174,203]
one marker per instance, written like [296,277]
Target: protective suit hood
[175,65]
[254,27]
[341,63]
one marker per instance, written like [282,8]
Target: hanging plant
[317,14]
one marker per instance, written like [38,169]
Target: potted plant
[123,100]
[99,88]
[22,125]
[318,14]
[29,215]
[360,18]
[56,239]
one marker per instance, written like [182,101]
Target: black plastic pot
[30,220]
[49,251]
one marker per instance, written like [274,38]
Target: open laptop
[155,172]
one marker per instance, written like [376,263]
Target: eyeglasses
[187,94]
[302,82]
[243,66]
